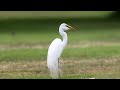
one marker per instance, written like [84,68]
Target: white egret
[55,50]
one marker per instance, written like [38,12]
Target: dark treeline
[115,15]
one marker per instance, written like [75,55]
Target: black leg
[59,67]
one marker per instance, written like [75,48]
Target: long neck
[64,35]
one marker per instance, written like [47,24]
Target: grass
[69,53]
[80,69]
[52,14]
[92,50]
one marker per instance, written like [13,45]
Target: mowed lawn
[93,50]
[52,14]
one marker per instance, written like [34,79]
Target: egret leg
[59,67]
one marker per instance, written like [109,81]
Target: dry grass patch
[21,69]
[108,67]
[97,67]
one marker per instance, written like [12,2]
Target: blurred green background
[41,23]
[26,35]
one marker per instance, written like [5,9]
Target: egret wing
[54,52]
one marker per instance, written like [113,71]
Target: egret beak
[72,28]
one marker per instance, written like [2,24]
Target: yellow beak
[72,28]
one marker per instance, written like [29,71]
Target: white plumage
[55,50]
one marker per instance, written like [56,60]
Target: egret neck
[64,35]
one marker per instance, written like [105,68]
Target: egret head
[65,27]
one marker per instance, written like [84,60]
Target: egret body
[55,50]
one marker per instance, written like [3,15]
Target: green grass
[69,53]
[92,50]
[23,54]
[30,31]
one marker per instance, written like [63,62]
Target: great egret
[55,50]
